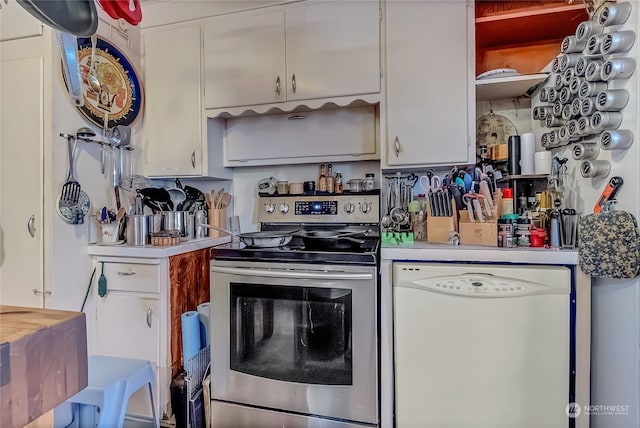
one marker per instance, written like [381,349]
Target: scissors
[430,183]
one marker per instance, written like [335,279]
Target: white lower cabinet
[132,322]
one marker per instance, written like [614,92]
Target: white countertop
[423,251]
[149,251]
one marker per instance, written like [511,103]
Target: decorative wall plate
[120,94]
[493,129]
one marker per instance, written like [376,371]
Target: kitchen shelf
[522,177]
[524,35]
[529,25]
[507,87]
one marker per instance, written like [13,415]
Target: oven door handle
[366,276]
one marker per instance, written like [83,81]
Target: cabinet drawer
[132,277]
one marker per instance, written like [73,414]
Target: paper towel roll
[204,312]
[190,335]
[527,150]
[543,162]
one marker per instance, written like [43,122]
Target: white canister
[542,162]
[527,151]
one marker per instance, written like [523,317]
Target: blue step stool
[112,380]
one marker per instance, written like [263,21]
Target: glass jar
[505,233]
[369,181]
[523,232]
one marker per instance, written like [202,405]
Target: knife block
[439,228]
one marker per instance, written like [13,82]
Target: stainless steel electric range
[294,328]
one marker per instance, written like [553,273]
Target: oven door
[294,337]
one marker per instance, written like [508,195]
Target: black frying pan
[77,17]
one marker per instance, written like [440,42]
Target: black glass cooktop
[360,249]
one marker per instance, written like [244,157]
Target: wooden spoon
[225,200]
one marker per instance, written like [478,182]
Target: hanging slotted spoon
[71,188]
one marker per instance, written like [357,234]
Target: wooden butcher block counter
[43,361]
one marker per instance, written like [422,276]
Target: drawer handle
[397,146]
[278,86]
[193,159]
[293,83]
[126,273]
[41,293]
[149,317]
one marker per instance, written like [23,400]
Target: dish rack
[196,368]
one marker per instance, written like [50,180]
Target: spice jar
[523,232]
[505,233]
[369,181]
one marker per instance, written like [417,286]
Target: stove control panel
[319,209]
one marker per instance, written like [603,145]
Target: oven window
[293,334]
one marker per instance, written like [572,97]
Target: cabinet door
[244,59]
[21,165]
[17,23]
[428,83]
[173,110]
[127,325]
[333,49]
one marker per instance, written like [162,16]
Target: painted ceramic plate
[120,95]
[498,72]
[493,129]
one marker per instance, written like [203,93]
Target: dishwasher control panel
[475,285]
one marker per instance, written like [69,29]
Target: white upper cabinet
[302,51]
[244,59]
[430,84]
[16,22]
[175,131]
[333,49]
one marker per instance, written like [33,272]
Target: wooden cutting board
[43,361]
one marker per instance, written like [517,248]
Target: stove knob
[269,208]
[365,207]
[284,208]
[349,208]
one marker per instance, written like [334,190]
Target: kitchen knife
[447,203]
[485,191]
[478,209]
[609,193]
[432,204]
[467,201]
[457,196]
[440,201]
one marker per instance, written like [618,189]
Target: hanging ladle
[92,77]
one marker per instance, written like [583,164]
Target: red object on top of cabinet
[120,9]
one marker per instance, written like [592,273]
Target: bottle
[507,201]
[369,181]
[339,187]
[322,180]
[330,179]
[522,203]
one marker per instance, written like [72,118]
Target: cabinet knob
[396,143]
[278,86]
[293,83]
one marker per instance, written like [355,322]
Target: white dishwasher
[481,345]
